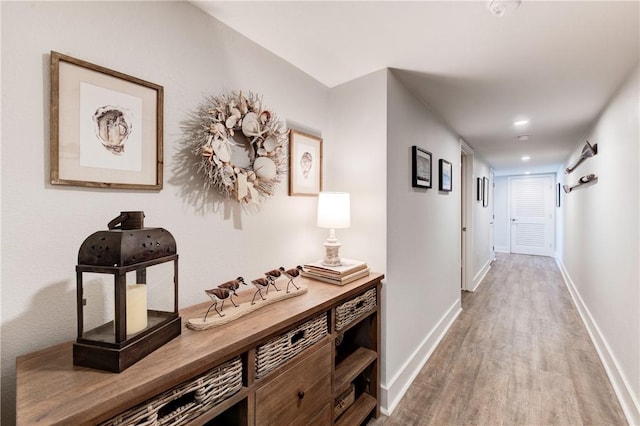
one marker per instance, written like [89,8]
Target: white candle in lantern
[136,308]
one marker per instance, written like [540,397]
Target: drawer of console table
[296,395]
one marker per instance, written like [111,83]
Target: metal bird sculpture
[260,284]
[217,295]
[291,274]
[272,275]
[232,286]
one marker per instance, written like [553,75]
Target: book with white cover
[347,266]
[337,280]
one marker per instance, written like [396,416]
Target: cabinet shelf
[50,387]
[350,367]
[358,411]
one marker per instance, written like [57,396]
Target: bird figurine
[260,284]
[217,295]
[232,286]
[291,274]
[272,275]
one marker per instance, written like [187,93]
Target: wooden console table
[303,390]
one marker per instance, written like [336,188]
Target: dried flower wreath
[241,145]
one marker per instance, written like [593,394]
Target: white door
[531,211]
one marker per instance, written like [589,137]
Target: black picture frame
[446,176]
[420,167]
[479,189]
[558,194]
[485,191]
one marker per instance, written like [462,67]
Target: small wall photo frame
[479,189]
[485,192]
[558,192]
[420,167]
[106,127]
[305,164]
[446,176]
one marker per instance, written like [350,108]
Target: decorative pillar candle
[136,308]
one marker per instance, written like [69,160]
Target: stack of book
[348,271]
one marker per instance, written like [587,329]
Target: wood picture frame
[420,167]
[446,176]
[485,191]
[305,164]
[106,127]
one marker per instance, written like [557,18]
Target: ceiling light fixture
[522,138]
[501,7]
[520,122]
[526,158]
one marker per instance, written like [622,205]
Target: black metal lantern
[127,294]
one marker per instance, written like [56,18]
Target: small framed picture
[446,176]
[558,192]
[485,192]
[106,127]
[305,164]
[479,189]
[420,167]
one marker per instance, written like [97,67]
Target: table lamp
[333,212]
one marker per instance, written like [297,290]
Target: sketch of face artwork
[113,125]
[306,162]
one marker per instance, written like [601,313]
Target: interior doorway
[466,216]
[531,212]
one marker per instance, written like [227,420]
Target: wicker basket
[355,307]
[187,401]
[281,349]
[344,401]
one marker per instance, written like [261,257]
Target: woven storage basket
[281,349]
[355,307]
[187,401]
[344,401]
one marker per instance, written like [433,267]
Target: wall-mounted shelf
[584,180]
[588,151]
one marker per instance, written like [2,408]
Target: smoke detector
[522,138]
[501,7]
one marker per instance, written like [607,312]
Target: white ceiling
[555,63]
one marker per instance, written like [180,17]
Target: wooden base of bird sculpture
[245,307]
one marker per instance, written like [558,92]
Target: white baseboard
[628,401]
[481,274]
[393,391]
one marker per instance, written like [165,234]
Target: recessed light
[520,122]
[522,138]
[527,173]
[526,158]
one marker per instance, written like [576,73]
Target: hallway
[518,354]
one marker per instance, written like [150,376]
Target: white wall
[502,229]
[482,223]
[359,165]
[600,250]
[422,293]
[192,55]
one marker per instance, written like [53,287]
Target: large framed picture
[446,176]
[106,127]
[420,168]
[485,192]
[305,164]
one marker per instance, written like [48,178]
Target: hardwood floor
[518,354]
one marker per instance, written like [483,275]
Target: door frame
[466,216]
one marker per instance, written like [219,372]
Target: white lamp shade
[334,210]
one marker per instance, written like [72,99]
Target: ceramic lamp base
[332,257]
